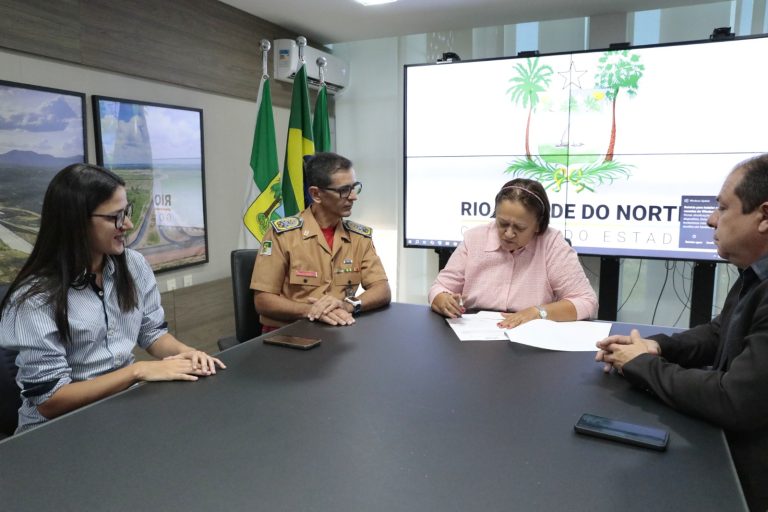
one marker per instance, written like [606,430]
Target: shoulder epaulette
[360,229]
[287,224]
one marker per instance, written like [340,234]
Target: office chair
[10,397]
[247,324]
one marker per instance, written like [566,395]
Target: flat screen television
[632,145]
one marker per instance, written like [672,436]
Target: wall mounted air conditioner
[286,64]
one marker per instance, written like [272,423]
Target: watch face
[357,305]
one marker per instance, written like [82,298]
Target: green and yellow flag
[321,127]
[299,144]
[266,170]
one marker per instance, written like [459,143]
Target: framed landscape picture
[42,130]
[158,150]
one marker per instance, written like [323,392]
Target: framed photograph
[42,130]
[158,150]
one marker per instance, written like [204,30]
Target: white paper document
[567,336]
[480,326]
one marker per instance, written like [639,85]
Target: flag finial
[302,42]
[265,47]
[321,63]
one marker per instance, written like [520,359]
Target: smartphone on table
[285,340]
[622,431]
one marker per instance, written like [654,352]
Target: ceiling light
[374,2]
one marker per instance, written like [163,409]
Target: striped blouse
[102,336]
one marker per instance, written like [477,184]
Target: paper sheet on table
[479,326]
[566,336]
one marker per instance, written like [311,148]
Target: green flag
[266,170]
[299,144]
[321,127]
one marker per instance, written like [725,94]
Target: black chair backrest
[10,397]
[247,324]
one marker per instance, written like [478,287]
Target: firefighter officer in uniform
[312,264]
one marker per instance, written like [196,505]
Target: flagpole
[266,45]
[300,141]
[321,130]
[263,190]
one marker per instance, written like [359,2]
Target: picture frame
[158,150]
[42,130]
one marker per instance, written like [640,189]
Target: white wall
[228,131]
[368,132]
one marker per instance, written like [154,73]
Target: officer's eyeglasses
[118,217]
[346,190]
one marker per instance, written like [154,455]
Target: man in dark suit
[719,371]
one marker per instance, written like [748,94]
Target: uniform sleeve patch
[266,248]
[360,229]
[287,224]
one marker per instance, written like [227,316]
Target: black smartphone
[299,342]
[622,431]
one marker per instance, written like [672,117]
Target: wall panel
[202,44]
[44,28]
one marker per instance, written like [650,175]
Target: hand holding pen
[449,304]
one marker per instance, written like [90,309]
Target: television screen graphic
[631,145]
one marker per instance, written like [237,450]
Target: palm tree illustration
[556,171]
[531,80]
[617,71]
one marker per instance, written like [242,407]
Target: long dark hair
[61,257]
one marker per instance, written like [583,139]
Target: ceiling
[333,21]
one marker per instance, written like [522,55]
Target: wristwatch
[542,312]
[357,305]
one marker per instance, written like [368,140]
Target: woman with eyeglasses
[82,301]
[516,264]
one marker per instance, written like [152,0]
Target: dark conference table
[391,414]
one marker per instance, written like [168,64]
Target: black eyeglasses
[119,217]
[346,190]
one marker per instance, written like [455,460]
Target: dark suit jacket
[719,371]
